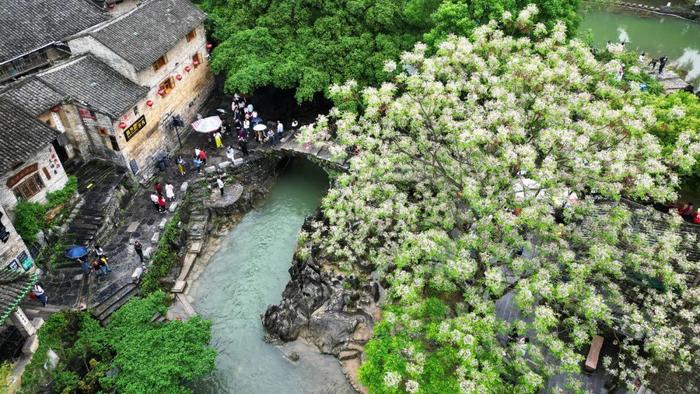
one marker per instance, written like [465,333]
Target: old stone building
[32,32]
[160,45]
[128,76]
[29,164]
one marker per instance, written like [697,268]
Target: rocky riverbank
[334,311]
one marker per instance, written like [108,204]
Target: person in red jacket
[203,156]
[161,204]
[159,188]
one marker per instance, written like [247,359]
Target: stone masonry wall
[46,158]
[186,98]
[87,44]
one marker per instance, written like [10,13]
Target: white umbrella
[207,125]
[259,127]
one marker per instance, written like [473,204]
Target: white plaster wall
[45,158]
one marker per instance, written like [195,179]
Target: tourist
[84,265]
[217,140]
[203,157]
[220,183]
[243,144]
[161,204]
[197,164]
[98,251]
[40,294]
[170,191]
[139,249]
[103,266]
[662,64]
[696,217]
[653,63]
[270,137]
[196,152]
[154,199]
[280,129]
[96,268]
[181,165]
[159,188]
[231,154]
[246,127]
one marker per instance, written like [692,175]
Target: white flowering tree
[490,171]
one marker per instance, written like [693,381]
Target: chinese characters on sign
[135,127]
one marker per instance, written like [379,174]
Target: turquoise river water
[248,273]
[656,35]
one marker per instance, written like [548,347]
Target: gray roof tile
[21,136]
[34,96]
[148,32]
[14,286]
[94,83]
[31,24]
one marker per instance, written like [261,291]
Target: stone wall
[48,162]
[14,246]
[186,98]
[87,44]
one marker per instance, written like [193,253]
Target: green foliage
[30,217]
[307,46]
[146,356]
[5,371]
[164,258]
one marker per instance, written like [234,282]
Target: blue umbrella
[76,252]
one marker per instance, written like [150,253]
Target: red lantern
[149,103]
[161,91]
[178,77]
[122,125]
[56,109]
[188,68]
[209,45]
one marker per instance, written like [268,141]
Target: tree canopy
[491,174]
[309,45]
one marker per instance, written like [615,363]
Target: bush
[30,217]
[165,257]
[148,356]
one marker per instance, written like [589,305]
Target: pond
[248,273]
[656,35]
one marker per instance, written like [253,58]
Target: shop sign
[25,261]
[86,113]
[26,171]
[135,127]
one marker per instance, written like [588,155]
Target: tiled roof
[90,81]
[31,24]
[34,96]
[22,136]
[148,32]
[14,286]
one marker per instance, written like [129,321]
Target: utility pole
[176,122]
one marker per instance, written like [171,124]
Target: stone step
[348,355]
[111,304]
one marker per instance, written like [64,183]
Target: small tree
[489,173]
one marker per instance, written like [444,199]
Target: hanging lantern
[161,91]
[122,125]
[188,68]
[56,109]
[149,103]
[178,77]
[209,45]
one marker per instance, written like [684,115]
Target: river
[656,35]
[248,273]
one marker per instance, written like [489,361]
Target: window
[191,35]
[196,59]
[136,111]
[29,187]
[115,144]
[165,87]
[46,173]
[159,63]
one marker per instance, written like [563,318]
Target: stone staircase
[111,300]
[97,181]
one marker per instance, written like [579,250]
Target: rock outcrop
[333,311]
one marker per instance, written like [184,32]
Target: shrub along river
[249,272]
